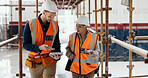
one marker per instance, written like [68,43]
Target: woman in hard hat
[83,50]
[40,37]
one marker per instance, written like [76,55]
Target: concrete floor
[9,65]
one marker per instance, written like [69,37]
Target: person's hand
[89,51]
[71,56]
[55,56]
[45,47]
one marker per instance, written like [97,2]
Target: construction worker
[83,50]
[40,38]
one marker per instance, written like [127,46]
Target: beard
[48,21]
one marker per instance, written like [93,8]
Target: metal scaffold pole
[102,34]
[83,7]
[11,17]
[130,66]
[89,11]
[20,41]
[20,38]
[106,40]
[36,8]
[95,16]
[6,26]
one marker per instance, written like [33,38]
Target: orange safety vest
[83,63]
[37,34]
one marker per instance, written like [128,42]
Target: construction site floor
[9,65]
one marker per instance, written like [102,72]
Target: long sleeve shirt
[95,54]
[27,40]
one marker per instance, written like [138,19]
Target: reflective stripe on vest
[54,28]
[87,63]
[73,40]
[34,31]
[37,34]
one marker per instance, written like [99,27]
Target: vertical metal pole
[106,40]
[11,19]
[80,9]
[6,26]
[20,35]
[102,39]
[57,17]
[89,10]
[36,8]
[96,16]
[130,39]
[83,7]
[11,11]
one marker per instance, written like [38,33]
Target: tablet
[58,53]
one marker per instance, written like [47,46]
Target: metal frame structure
[102,34]
[8,41]
[130,66]
[71,4]
[141,37]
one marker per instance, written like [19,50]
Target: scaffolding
[72,4]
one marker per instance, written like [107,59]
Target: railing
[8,41]
[137,50]
[141,37]
[133,48]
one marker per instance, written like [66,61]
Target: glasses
[50,14]
[80,26]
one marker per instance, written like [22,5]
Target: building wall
[119,13]
[27,14]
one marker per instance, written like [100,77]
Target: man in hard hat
[40,38]
[83,50]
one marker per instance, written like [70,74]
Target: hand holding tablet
[46,47]
[56,55]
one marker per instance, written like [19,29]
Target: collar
[41,22]
[85,35]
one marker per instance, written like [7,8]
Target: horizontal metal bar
[91,30]
[8,41]
[134,76]
[11,5]
[133,48]
[141,37]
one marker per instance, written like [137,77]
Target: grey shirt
[95,54]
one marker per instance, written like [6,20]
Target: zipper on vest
[80,60]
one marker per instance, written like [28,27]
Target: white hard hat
[83,20]
[49,6]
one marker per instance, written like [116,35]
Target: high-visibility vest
[37,34]
[83,63]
